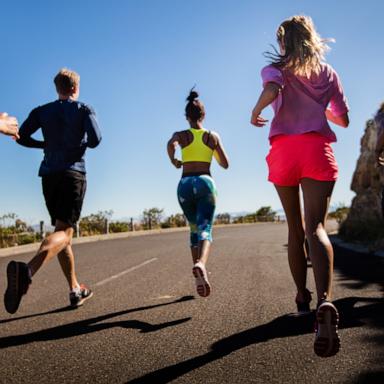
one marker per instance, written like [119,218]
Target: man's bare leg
[50,247]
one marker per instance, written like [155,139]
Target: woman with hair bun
[196,191]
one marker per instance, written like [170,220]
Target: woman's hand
[177,163]
[258,120]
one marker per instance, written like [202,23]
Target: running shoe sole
[327,342]
[16,288]
[202,284]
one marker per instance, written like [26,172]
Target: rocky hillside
[365,222]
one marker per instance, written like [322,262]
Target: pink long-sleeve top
[301,103]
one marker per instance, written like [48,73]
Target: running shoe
[77,298]
[327,341]
[19,280]
[201,279]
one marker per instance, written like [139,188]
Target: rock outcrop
[365,222]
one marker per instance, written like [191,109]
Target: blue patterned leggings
[197,198]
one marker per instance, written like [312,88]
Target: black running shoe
[77,299]
[19,281]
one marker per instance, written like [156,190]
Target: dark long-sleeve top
[69,127]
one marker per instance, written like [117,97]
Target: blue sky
[138,59]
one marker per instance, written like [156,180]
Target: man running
[69,127]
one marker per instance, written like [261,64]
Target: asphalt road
[145,324]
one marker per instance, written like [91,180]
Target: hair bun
[193,95]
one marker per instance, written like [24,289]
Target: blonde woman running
[305,94]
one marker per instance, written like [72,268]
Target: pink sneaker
[202,284]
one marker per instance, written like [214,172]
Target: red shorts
[294,157]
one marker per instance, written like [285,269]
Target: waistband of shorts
[300,137]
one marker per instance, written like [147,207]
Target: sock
[76,289]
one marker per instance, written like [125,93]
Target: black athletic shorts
[64,194]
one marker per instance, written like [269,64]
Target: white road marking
[124,272]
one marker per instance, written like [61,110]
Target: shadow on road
[359,271]
[83,327]
[58,310]
[354,312]
[283,326]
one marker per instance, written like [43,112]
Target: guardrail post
[42,233]
[106,226]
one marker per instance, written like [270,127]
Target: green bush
[119,226]
[27,238]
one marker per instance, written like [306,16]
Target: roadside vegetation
[14,231]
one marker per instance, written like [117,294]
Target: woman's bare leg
[201,252]
[204,248]
[290,199]
[317,195]
[195,254]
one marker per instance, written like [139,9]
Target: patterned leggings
[197,198]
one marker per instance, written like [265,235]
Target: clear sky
[139,58]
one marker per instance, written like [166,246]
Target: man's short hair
[66,80]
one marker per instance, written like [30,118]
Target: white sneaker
[327,341]
[202,284]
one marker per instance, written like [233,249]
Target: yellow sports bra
[197,150]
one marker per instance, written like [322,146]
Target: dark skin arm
[219,151]
[171,149]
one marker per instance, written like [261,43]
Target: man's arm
[92,128]
[27,129]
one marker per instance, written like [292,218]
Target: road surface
[146,324]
